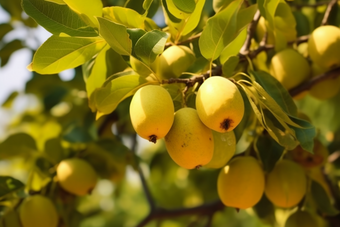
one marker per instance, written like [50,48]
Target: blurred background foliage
[50,120]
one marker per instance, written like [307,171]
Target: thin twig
[145,186]
[188,40]
[330,6]
[250,33]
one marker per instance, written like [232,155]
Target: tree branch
[330,6]
[205,209]
[250,33]
[334,73]
[312,5]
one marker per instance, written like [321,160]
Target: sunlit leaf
[60,2]
[193,19]
[174,10]
[9,185]
[57,18]
[230,65]
[125,16]
[233,48]
[107,63]
[219,31]
[245,16]
[219,5]
[106,99]
[116,36]
[90,8]
[61,53]
[150,45]
[17,144]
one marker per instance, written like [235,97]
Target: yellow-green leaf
[116,36]
[125,16]
[61,53]
[90,8]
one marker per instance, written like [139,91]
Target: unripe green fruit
[76,176]
[324,46]
[325,89]
[189,142]
[174,61]
[38,211]
[286,184]
[219,104]
[290,68]
[152,112]
[224,149]
[301,219]
[240,184]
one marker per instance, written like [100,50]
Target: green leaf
[8,49]
[4,29]
[230,65]
[219,5]
[9,185]
[17,144]
[322,200]
[305,135]
[147,4]
[135,35]
[61,53]
[265,210]
[109,157]
[116,36]
[269,151]
[245,16]
[107,63]
[150,45]
[219,31]
[76,133]
[276,91]
[90,8]
[124,16]
[234,47]
[60,2]
[54,150]
[171,7]
[9,101]
[193,19]
[57,18]
[106,99]
[187,6]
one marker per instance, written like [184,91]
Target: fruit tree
[203,113]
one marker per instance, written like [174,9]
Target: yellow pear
[174,61]
[301,219]
[261,29]
[290,68]
[240,184]
[286,184]
[76,176]
[152,112]
[219,104]
[324,46]
[325,89]
[38,211]
[224,149]
[189,142]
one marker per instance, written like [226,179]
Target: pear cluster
[291,67]
[193,137]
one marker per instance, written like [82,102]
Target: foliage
[115,48]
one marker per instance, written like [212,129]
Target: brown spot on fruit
[198,167]
[226,124]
